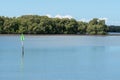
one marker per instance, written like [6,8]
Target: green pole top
[22,37]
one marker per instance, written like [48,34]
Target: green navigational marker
[22,37]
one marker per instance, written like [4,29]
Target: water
[60,58]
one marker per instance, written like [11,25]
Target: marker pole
[22,59]
[22,49]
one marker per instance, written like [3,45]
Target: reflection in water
[22,63]
[22,58]
[22,48]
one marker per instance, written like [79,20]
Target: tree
[71,27]
[97,27]
[82,26]
[1,24]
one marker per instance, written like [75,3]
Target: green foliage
[71,26]
[1,24]
[97,27]
[35,24]
[113,28]
[82,26]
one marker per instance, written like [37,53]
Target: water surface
[60,58]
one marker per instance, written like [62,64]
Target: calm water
[60,58]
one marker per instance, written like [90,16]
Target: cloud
[106,19]
[48,15]
[66,16]
[70,17]
[84,20]
[87,20]
[60,16]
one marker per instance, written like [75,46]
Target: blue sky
[78,9]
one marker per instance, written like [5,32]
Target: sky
[84,10]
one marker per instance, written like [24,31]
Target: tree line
[35,24]
[113,28]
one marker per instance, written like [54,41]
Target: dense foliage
[34,24]
[113,28]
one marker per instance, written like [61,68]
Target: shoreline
[57,35]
